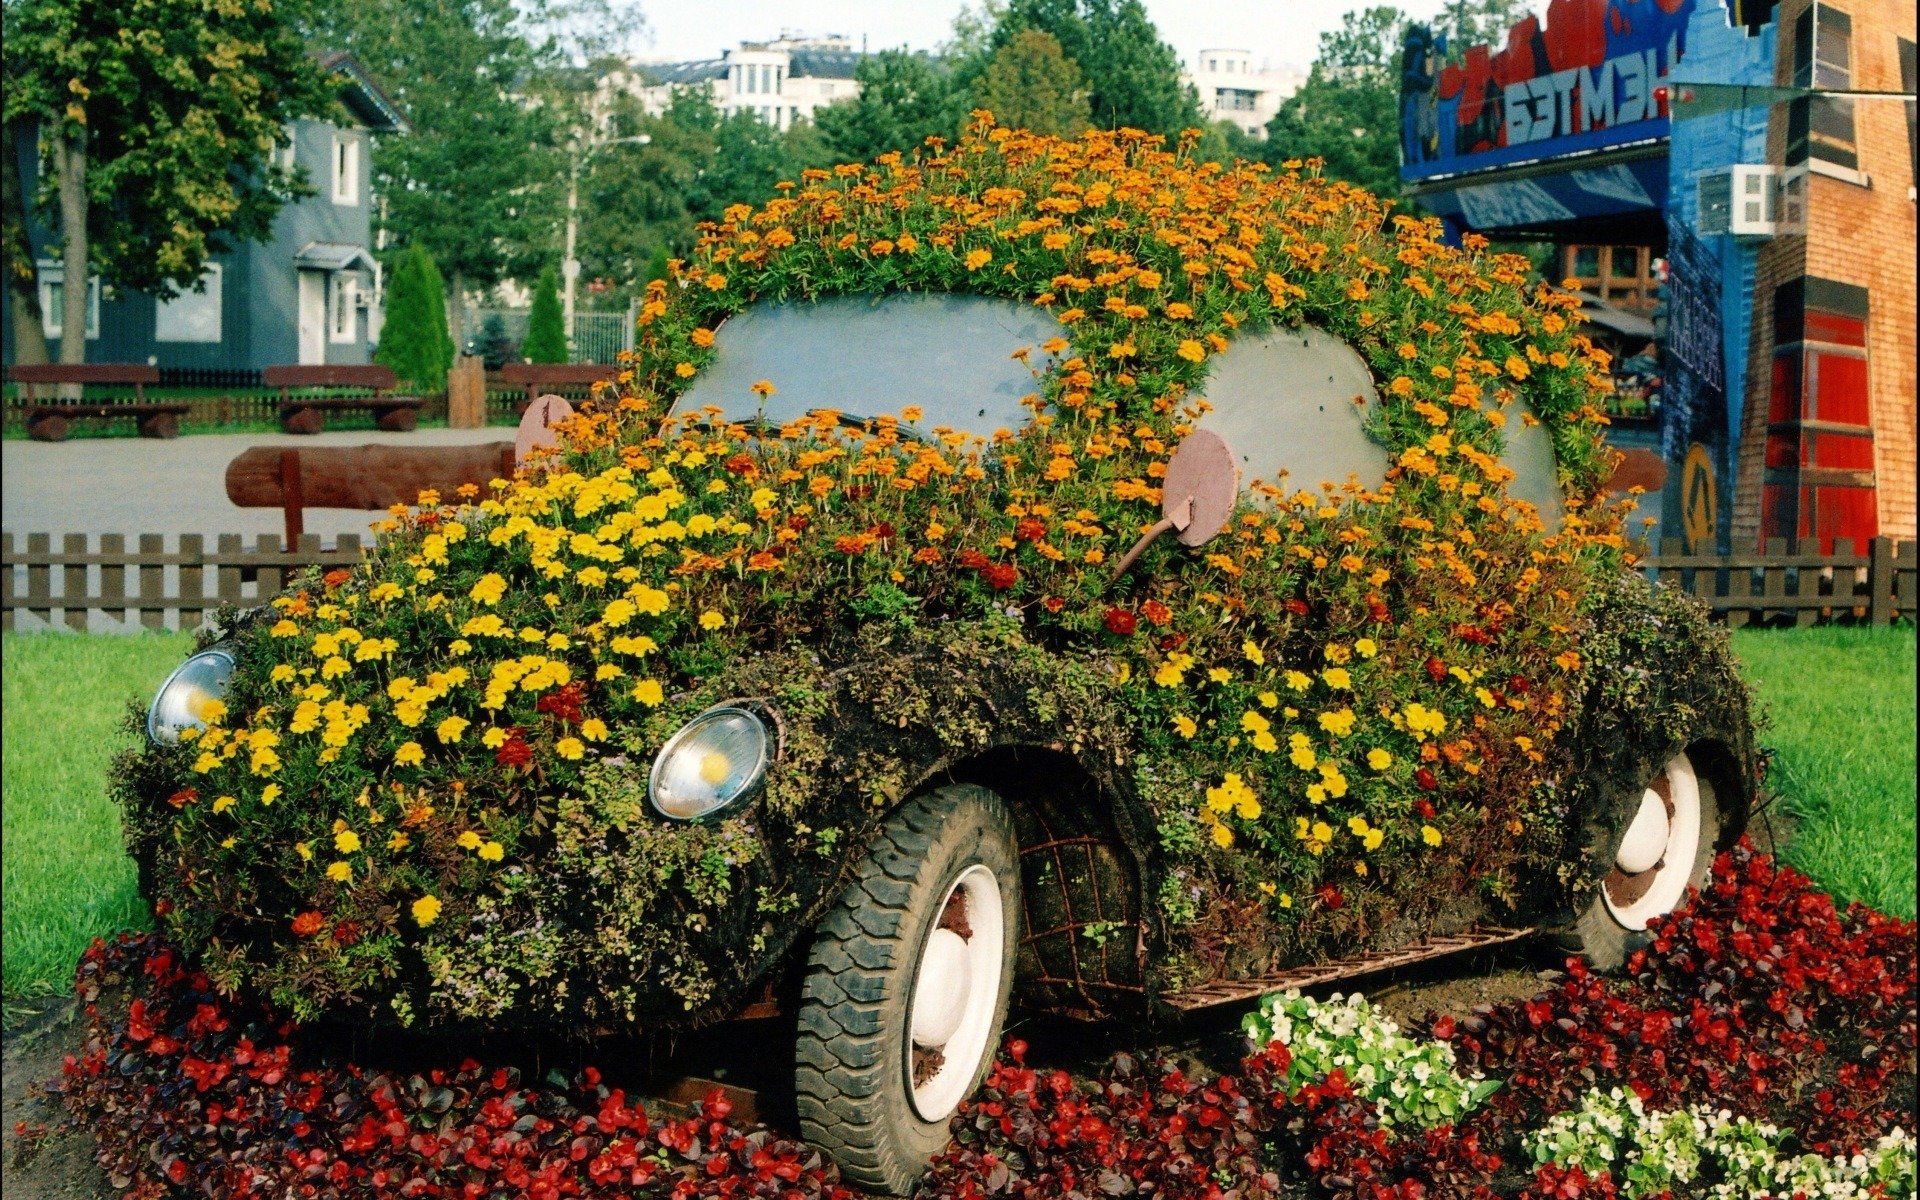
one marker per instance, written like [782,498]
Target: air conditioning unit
[1743,200]
[1793,200]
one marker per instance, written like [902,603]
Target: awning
[1626,324]
[333,256]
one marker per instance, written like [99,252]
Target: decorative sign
[536,427]
[1590,78]
[1699,502]
[1196,497]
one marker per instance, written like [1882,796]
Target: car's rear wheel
[907,986]
[1649,846]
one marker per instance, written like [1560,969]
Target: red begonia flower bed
[1760,997]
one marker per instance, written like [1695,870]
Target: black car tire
[942,871]
[1612,912]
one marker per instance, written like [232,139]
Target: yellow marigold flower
[1298,681]
[339,872]
[570,748]
[978,258]
[1339,722]
[1185,725]
[1379,759]
[683,370]
[449,730]
[593,729]
[1222,836]
[494,738]
[492,851]
[1430,835]
[223,803]
[409,754]
[468,840]
[1219,674]
[281,674]
[426,910]
[1366,648]
[648,692]
[1301,752]
[606,671]
[335,667]
[1567,660]
[1192,351]
[269,794]
[711,619]
[1269,699]
[763,388]
[304,851]
[1253,722]
[1253,653]
[1337,677]
[651,601]
[346,841]
[284,628]
[1372,839]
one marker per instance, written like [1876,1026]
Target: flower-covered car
[826,665]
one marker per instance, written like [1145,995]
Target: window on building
[284,156]
[340,323]
[1821,127]
[191,316]
[1819,481]
[53,299]
[346,168]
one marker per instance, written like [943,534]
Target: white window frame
[342,290]
[287,156]
[192,323]
[53,275]
[346,168]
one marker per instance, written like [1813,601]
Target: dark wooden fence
[146,583]
[1790,583]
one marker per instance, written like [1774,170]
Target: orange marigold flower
[308,923]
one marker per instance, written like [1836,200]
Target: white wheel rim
[956,991]
[1653,862]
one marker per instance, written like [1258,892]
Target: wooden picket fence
[146,583]
[1791,583]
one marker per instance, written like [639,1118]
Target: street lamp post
[570,266]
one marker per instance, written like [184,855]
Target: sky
[1282,31]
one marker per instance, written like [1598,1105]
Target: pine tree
[546,328]
[414,339]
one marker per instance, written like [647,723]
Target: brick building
[1830,452]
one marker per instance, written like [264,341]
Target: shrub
[414,341]
[546,324]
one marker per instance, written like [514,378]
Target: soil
[58,1166]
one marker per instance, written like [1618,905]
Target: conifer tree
[546,328]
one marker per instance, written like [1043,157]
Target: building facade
[1757,162]
[779,82]
[1232,88]
[308,294]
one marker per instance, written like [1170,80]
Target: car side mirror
[1196,496]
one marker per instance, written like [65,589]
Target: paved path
[142,485]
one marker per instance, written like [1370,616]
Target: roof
[804,63]
[366,99]
[333,256]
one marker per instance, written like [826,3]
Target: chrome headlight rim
[768,729]
[161,735]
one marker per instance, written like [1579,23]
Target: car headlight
[715,760]
[185,699]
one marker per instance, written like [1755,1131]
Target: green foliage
[1134,77]
[1030,84]
[1348,112]
[172,110]
[413,340]
[905,98]
[546,324]
[475,182]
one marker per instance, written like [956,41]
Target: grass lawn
[65,876]
[1840,711]
[1841,702]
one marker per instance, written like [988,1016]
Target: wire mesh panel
[600,337]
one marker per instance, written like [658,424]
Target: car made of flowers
[1063,565]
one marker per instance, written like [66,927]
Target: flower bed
[1763,1045]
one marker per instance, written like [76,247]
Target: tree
[1348,111]
[1133,77]
[1467,23]
[23,291]
[905,97]
[1030,84]
[480,180]
[158,122]
[414,340]
[546,328]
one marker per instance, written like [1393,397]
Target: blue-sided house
[308,294]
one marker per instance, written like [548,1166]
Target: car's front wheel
[1648,847]
[907,986]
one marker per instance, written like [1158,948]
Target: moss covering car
[831,653]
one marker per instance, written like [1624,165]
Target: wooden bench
[308,414]
[542,378]
[51,420]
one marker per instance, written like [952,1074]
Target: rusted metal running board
[1207,995]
